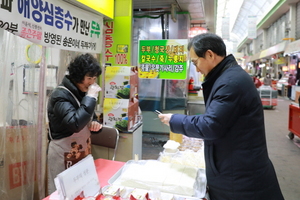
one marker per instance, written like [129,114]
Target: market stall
[178,173]
[294,125]
[105,170]
[268,96]
[37,40]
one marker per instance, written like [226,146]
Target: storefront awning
[269,52]
[292,47]
[273,50]
[254,57]
[247,58]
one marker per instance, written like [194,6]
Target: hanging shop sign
[254,57]
[225,28]
[196,30]
[292,47]
[279,60]
[163,59]
[53,23]
[285,68]
[118,35]
[118,41]
[252,26]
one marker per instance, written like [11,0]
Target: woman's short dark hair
[207,41]
[84,65]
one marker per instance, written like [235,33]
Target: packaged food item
[186,157]
[168,177]
[155,194]
[89,198]
[139,194]
[165,196]
[121,82]
[171,146]
[120,113]
[112,190]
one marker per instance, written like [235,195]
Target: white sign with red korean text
[53,23]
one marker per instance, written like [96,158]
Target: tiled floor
[283,152]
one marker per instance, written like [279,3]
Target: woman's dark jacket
[233,130]
[64,114]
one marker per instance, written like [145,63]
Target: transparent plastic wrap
[126,193]
[19,125]
[187,157]
[172,178]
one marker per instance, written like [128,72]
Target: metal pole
[40,127]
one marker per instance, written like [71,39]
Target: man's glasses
[195,61]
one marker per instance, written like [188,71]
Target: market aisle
[153,145]
[284,154]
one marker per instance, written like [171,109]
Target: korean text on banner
[163,59]
[252,27]
[53,23]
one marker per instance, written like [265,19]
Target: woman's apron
[65,152]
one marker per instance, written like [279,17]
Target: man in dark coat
[232,127]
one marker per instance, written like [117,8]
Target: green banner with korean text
[163,59]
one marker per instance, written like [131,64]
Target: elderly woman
[268,80]
[71,116]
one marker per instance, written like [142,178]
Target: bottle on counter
[191,84]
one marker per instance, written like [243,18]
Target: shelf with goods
[121,111]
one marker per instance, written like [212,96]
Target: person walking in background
[279,75]
[71,116]
[268,80]
[291,82]
[237,162]
[256,81]
[297,79]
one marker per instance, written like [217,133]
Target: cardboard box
[120,113]
[17,162]
[121,82]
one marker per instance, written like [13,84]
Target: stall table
[105,170]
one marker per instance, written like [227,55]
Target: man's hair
[83,65]
[207,41]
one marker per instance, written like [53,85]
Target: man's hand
[165,118]
[95,126]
